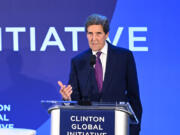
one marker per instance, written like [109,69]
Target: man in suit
[111,78]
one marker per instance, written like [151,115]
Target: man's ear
[107,34]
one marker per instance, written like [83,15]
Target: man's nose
[94,37]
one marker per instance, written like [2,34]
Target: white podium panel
[16,131]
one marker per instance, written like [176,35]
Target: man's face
[96,37]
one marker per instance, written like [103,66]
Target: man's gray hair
[97,19]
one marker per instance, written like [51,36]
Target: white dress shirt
[103,57]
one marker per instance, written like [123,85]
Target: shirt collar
[103,50]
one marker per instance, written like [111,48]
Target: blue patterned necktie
[99,71]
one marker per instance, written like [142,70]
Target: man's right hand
[65,91]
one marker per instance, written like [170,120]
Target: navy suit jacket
[120,81]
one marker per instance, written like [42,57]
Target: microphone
[92,60]
[85,101]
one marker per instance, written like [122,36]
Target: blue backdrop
[38,39]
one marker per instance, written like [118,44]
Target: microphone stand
[86,100]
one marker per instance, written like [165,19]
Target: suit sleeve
[73,81]
[133,90]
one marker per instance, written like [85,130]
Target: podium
[69,118]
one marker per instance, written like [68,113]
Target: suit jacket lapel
[109,69]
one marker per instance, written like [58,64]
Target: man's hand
[65,91]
